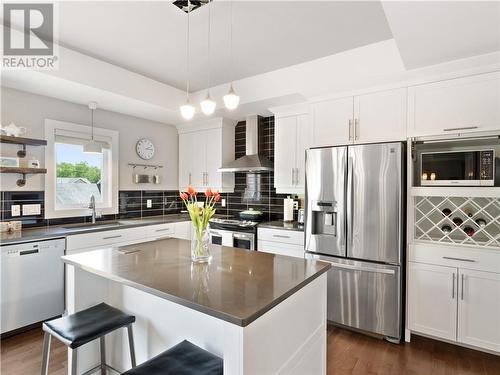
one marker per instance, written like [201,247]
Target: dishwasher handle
[28,252]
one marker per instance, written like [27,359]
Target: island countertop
[237,286]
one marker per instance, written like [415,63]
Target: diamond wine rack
[458,220]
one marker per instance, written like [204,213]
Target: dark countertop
[61,231]
[237,286]
[280,224]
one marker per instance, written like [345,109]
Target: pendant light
[92,147]
[187,109]
[208,105]
[231,99]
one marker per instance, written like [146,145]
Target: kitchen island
[262,313]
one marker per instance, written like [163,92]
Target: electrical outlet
[295,205]
[149,203]
[223,202]
[31,209]
[15,210]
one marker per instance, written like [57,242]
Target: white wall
[30,111]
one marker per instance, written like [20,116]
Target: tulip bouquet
[200,213]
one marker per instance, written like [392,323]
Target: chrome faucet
[92,207]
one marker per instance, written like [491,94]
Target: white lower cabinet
[281,242]
[433,300]
[121,237]
[458,297]
[479,309]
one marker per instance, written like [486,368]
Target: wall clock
[145,149]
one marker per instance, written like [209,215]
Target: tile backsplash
[132,204]
[251,191]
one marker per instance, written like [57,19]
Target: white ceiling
[149,37]
[433,32]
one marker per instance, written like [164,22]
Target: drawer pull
[111,237]
[463,128]
[280,236]
[460,259]
[162,230]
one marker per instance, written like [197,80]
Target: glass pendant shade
[231,100]
[187,110]
[208,105]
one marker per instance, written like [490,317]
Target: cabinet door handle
[162,230]
[350,130]
[293,177]
[460,259]
[453,287]
[207,178]
[463,128]
[462,288]
[296,176]
[356,128]
[280,236]
[111,237]
[189,178]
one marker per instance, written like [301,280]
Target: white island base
[288,339]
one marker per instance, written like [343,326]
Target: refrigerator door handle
[363,269]
[350,201]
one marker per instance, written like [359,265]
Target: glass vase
[200,246]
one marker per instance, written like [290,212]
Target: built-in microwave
[458,167]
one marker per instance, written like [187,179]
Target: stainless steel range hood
[252,161]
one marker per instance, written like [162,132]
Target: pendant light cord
[187,52]
[92,128]
[208,48]
[231,42]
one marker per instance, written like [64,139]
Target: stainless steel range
[233,233]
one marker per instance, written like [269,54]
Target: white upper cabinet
[380,116]
[203,148]
[455,106]
[332,122]
[374,117]
[285,138]
[292,136]
[479,309]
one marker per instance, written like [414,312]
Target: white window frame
[51,209]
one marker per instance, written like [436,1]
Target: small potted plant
[200,213]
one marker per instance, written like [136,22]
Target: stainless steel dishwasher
[32,283]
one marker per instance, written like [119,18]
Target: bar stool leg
[46,353]
[131,345]
[103,355]
[72,361]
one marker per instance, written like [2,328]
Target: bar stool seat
[87,325]
[184,358]
[82,327]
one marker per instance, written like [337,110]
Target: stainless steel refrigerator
[354,219]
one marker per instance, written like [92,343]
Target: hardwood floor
[348,353]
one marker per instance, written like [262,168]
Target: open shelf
[455,191]
[22,170]
[22,141]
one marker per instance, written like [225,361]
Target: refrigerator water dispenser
[324,218]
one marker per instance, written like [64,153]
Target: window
[73,176]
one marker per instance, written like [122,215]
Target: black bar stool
[84,326]
[184,358]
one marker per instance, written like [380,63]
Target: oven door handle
[242,236]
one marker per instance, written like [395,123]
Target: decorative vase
[200,246]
